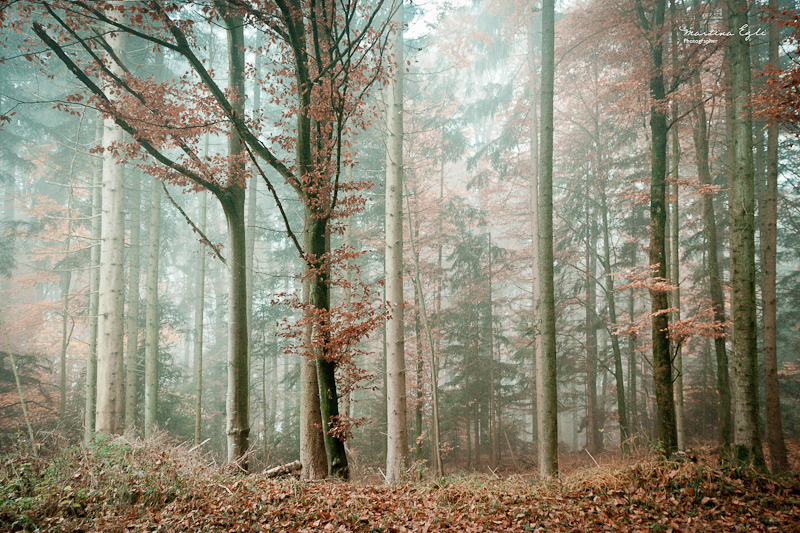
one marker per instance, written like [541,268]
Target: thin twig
[593,459]
[203,237]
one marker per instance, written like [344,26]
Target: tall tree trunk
[233,203]
[94,292]
[151,316]
[62,404]
[622,411]
[198,324]
[438,471]
[493,413]
[680,415]
[110,399]
[546,379]
[746,436]
[397,445]
[132,322]
[715,282]
[662,360]
[312,443]
[594,435]
[536,317]
[779,462]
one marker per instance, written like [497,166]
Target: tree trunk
[312,443]
[662,360]
[546,379]
[132,322]
[151,317]
[622,411]
[110,399]
[715,282]
[94,292]
[233,202]
[198,325]
[397,445]
[62,404]
[594,435]
[746,437]
[493,412]
[779,462]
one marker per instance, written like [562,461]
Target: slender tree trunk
[110,399]
[132,322]
[94,293]
[397,445]
[622,411]
[18,383]
[493,414]
[198,325]
[715,282]
[151,315]
[536,317]
[546,379]
[594,437]
[662,360]
[680,415]
[746,436]
[62,404]
[779,462]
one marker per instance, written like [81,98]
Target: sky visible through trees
[257,227]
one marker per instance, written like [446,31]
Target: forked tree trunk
[397,445]
[546,379]
[746,436]
[779,462]
[110,399]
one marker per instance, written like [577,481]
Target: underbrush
[132,485]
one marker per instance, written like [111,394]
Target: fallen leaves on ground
[157,489]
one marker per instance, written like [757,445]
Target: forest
[497,265]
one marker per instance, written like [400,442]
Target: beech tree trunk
[594,435]
[715,281]
[198,325]
[110,399]
[94,292]
[746,436]
[151,316]
[662,360]
[779,462]
[622,410]
[132,322]
[397,440]
[233,205]
[546,379]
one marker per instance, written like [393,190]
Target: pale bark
[397,445]
[312,444]
[110,399]
[65,334]
[594,434]
[94,293]
[779,462]
[746,436]
[132,326]
[198,324]
[546,379]
[151,314]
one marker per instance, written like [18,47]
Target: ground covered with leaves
[124,485]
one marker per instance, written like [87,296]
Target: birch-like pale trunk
[110,377]
[151,315]
[397,445]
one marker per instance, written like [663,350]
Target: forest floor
[125,485]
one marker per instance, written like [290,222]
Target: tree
[746,436]
[779,462]
[397,446]
[546,384]
[653,26]
[152,327]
